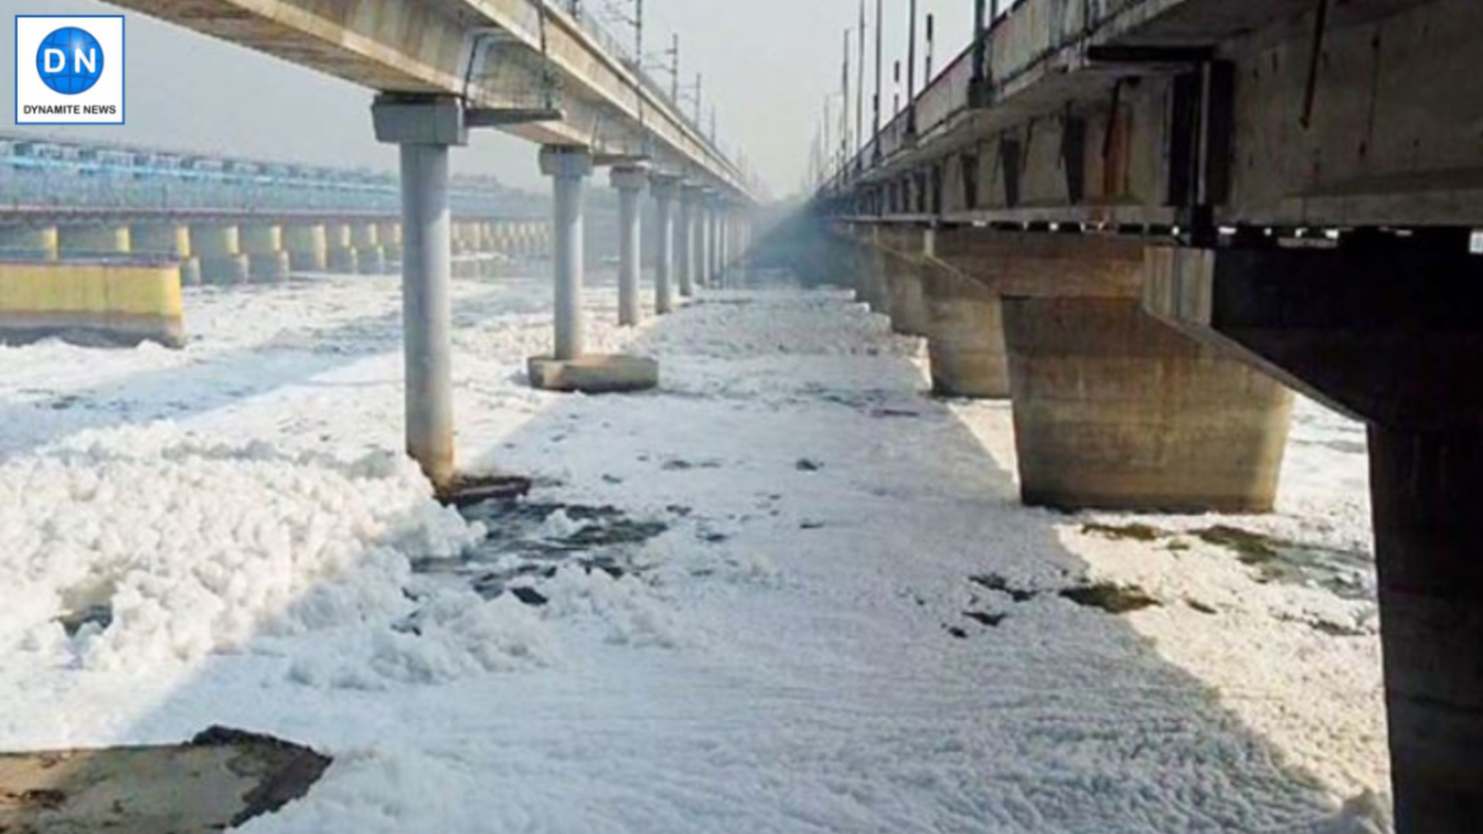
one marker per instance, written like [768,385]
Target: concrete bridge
[1144,221]
[529,68]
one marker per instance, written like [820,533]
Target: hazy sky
[768,65]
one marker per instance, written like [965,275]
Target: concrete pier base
[23,241]
[190,272]
[93,241]
[907,301]
[342,255]
[219,247]
[965,339]
[262,243]
[1113,410]
[594,374]
[308,247]
[370,258]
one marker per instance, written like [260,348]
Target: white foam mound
[197,547]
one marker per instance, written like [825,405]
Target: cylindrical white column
[664,198]
[630,182]
[568,167]
[426,316]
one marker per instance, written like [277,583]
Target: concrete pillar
[25,241]
[389,233]
[569,168]
[1113,410]
[370,258]
[343,258]
[907,301]
[219,247]
[704,244]
[308,247]
[425,128]
[687,249]
[665,189]
[630,182]
[965,338]
[1386,330]
[262,243]
[93,240]
[167,239]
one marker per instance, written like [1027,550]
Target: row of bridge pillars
[221,252]
[1159,378]
[426,128]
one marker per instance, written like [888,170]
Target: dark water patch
[1114,599]
[986,618]
[100,616]
[995,582]
[1125,532]
[806,465]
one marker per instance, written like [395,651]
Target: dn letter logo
[69,69]
[70,61]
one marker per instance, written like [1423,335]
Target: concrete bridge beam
[630,182]
[424,129]
[665,189]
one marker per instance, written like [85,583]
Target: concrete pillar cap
[566,161]
[629,177]
[419,120]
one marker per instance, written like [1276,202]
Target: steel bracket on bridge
[506,116]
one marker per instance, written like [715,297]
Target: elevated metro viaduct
[1137,217]
[528,67]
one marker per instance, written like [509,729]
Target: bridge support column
[343,259]
[689,241]
[571,368]
[308,247]
[665,189]
[1113,410]
[425,128]
[93,241]
[1388,331]
[723,244]
[389,232]
[630,182]
[167,240]
[370,258]
[266,259]
[965,335]
[25,241]
[219,247]
[704,255]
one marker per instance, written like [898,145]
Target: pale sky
[768,66]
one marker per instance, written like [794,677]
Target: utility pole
[879,51]
[674,70]
[896,98]
[860,87]
[699,78]
[927,78]
[911,56]
[844,133]
[980,42]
